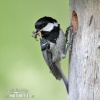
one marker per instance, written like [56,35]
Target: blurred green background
[21,63]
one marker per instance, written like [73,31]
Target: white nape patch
[50,26]
[56,24]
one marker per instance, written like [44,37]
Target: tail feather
[57,72]
[63,78]
[54,67]
[66,83]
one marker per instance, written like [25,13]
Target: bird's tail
[65,82]
[58,73]
[64,79]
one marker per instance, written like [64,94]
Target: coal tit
[53,45]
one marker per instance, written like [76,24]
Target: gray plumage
[53,45]
[54,55]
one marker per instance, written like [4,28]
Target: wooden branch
[84,65]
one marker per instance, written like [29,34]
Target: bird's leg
[71,38]
[67,32]
[70,42]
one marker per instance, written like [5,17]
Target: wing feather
[52,66]
[47,54]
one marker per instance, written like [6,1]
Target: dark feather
[47,54]
[52,35]
[53,68]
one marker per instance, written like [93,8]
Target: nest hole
[74,21]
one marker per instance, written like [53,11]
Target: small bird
[53,45]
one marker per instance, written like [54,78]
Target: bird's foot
[67,32]
[69,46]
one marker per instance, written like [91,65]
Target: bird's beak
[37,32]
[40,34]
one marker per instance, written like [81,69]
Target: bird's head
[45,25]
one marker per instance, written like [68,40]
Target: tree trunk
[84,66]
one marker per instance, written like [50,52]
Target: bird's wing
[56,71]
[47,54]
[52,66]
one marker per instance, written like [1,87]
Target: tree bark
[84,65]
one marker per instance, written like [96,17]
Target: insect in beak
[34,34]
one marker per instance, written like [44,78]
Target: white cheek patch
[50,26]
